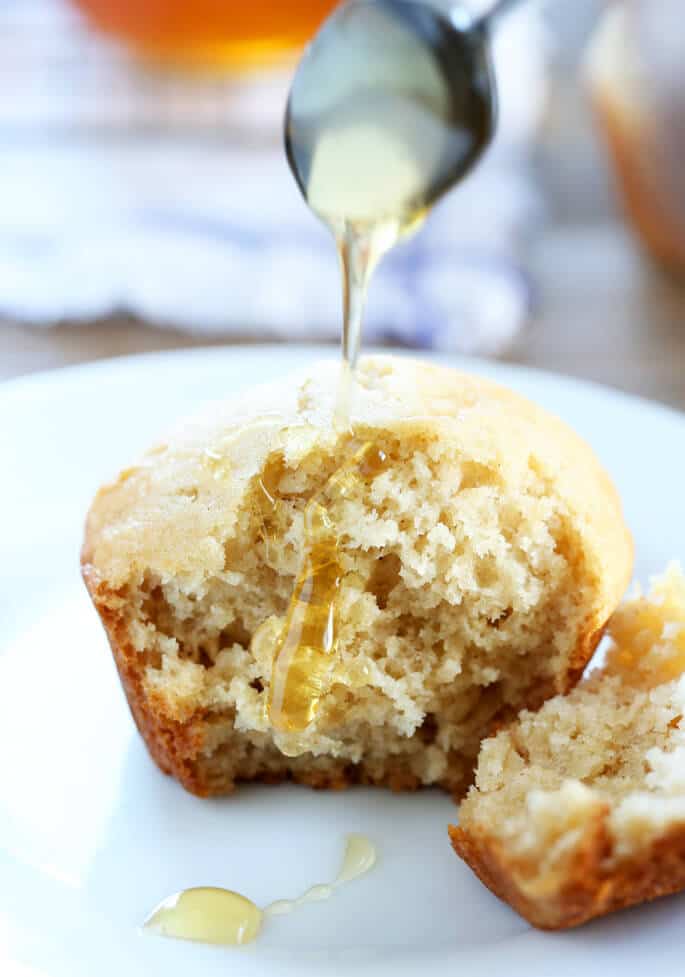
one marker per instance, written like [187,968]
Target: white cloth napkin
[126,190]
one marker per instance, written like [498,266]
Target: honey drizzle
[208,914]
[360,248]
[359,858]
[304,660]
[266,503]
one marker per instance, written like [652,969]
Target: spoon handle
[488,20]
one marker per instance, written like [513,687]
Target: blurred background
[145,202]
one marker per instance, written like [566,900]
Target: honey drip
[390,107]
[359,858]
[207,914]
[305,660]
[360,248]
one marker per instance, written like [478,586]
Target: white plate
[92,835]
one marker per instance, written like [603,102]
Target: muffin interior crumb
[460,598]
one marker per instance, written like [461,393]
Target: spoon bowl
[391,105]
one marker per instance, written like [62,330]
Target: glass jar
[209,33]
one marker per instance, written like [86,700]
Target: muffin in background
[636,73]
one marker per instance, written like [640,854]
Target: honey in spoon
[391,105]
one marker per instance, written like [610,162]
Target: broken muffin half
[579,809]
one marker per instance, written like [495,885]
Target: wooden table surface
[603,311]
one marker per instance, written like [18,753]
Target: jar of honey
[225,34]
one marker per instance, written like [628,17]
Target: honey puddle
[207,914]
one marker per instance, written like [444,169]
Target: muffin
[479,558]
[579,809]
[638,102]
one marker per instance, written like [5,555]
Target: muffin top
[172,513]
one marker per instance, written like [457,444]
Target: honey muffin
[579,809]
[478,565]
[640,108]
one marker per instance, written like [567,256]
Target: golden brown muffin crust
[579,809]
[591,889]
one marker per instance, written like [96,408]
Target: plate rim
[46,382]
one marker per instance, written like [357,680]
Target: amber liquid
[305,660]
[383,118]
[208,914]
[390,107]
[209,33]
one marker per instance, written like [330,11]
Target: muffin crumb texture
[579,809]
[479,568]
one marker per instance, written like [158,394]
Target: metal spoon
[371,49]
